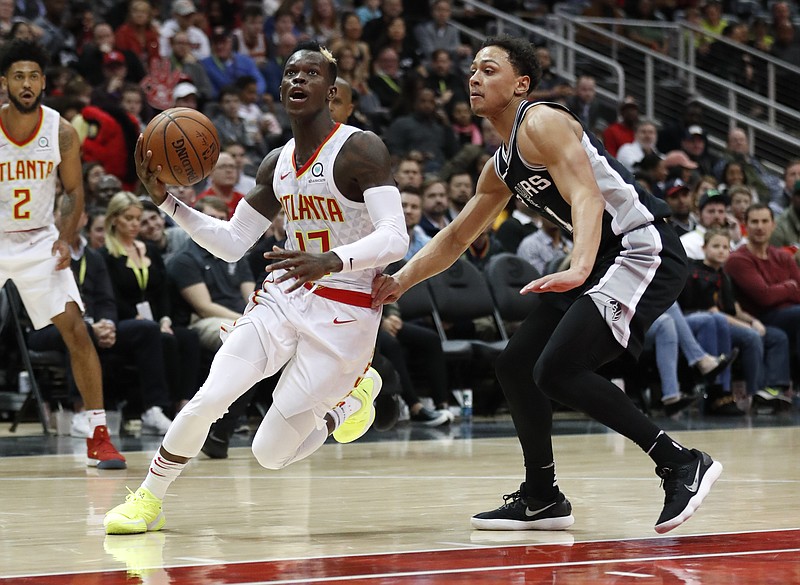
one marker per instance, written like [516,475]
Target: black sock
[541,483]
[665,451]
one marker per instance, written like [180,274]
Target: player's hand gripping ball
[184,142]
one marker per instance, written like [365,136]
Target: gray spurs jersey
[627,204]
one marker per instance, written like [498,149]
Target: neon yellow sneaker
[140,512]
[359,422]
[142,553]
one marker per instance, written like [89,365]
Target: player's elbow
[397,246]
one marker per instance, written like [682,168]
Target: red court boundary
[747,558]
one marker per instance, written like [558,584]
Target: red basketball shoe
[101,453]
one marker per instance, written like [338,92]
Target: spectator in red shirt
[623,130]
[222,181]
[138,34]
[767,278]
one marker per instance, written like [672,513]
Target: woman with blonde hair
[141,289]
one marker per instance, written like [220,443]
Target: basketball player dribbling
[36,148]
[313,313]
[627,267]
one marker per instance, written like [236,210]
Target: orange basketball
[184,142]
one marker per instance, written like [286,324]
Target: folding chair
[461,292]
[417,303]
[11,311]
[506,274]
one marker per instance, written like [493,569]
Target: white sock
[161,475]
[342,411]
[97,418]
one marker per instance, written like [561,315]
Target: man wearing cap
[713,207]
[225,65]
[183,12]
[679,166]
[185,96]
[623,130]
[694,144]
[672,132]
[679,198]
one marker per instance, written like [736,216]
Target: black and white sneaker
[519,513]
[686,486]
[430,418]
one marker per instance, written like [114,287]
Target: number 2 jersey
[28,172]
[318,217]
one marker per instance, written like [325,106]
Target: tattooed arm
[72,202]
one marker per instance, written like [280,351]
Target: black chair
[461,292]
[13,313]
[506,274]
[417,303]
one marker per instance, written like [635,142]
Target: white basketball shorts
[27,259]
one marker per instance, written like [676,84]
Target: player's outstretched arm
[230,240]
[491,197]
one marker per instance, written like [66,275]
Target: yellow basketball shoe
[141,512]
[359,422]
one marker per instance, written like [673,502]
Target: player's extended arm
[71,174]
[552,138]
[491,197]
[230,240]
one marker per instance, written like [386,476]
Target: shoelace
[131,496]
[511,499]
[670,480]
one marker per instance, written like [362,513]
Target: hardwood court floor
[397,511]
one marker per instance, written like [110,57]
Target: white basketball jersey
[318,217]
[28,176]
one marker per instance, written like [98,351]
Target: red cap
[113,58]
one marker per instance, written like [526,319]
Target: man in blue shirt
[225,65]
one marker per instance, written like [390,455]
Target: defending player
[37,147]
[627,267]
[313,313]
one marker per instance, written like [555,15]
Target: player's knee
[548,376]
[269,455]
[507,368]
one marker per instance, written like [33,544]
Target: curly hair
[23,50]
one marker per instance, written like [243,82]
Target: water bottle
[24,382]
[466,404]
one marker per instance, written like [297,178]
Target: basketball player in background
[313,313]
[35,144]
[627,267]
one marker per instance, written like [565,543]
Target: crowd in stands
[404,67]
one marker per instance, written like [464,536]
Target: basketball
[184,142]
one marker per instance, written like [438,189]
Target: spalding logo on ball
[184,142]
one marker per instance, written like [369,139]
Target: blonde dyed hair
[118,204]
